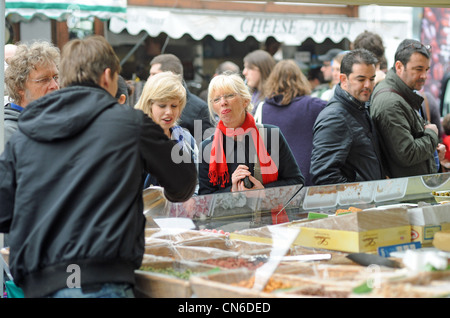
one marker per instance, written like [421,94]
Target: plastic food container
[441,196]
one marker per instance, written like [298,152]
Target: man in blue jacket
[71,182]
[345,144]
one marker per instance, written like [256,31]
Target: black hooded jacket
[345,143]
[71,188]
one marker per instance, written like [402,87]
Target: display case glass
[231,211]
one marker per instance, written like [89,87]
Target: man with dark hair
[195,116]
[374,43]
[345,145]
[71,182]
[327,73]
[408,142]
[122,94]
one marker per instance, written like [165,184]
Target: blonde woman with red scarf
[241,148]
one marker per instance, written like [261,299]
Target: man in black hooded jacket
[71,182]
[345,144]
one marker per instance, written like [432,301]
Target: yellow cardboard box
[425,233]
[363,231]
[426,221]
[352,242]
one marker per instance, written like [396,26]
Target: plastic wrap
[363,221]
[429,215]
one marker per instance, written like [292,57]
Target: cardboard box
[158,285]
[442,241]
[426,221]
[363,231]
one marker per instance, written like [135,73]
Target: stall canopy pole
[2,115]
[133,49]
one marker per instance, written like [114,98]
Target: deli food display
[386,238]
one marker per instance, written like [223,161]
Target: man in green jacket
[408,141]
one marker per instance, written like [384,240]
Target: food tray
[355,193]
[178,235]
[187,253]
[390,189]
[224,285]
[441,196]
[320,197]
[159,285]
[220,285]
[230,245]
[250,263]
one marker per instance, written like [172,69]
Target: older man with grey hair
[32,72]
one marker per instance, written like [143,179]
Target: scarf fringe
[216,179]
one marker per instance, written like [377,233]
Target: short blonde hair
[231,82]
[162,87]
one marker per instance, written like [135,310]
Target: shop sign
[288,29]
[267,26]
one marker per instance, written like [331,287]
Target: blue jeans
[107,290]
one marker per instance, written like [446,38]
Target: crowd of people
[78,154]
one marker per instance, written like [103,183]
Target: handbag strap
[257,168]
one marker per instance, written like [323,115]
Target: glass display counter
[233,211]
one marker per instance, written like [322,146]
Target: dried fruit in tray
[185,274]
[272,284]
[234,262]
[349,210]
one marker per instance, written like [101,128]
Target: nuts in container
[441,196]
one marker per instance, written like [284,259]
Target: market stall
[329,241]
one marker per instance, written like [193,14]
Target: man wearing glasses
[408,141]
[32,73]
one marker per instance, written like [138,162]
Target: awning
[400,3]
[288,29]
[20,10]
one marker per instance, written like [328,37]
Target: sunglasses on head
[418,46]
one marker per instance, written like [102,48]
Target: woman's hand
[237,180]
[441,151]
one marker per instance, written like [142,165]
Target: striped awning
[20,10]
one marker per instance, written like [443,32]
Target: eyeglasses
[417,46]
[227,97]
[46,80]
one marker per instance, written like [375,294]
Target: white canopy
[400,3]
[288,29]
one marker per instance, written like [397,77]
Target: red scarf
[218,169]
